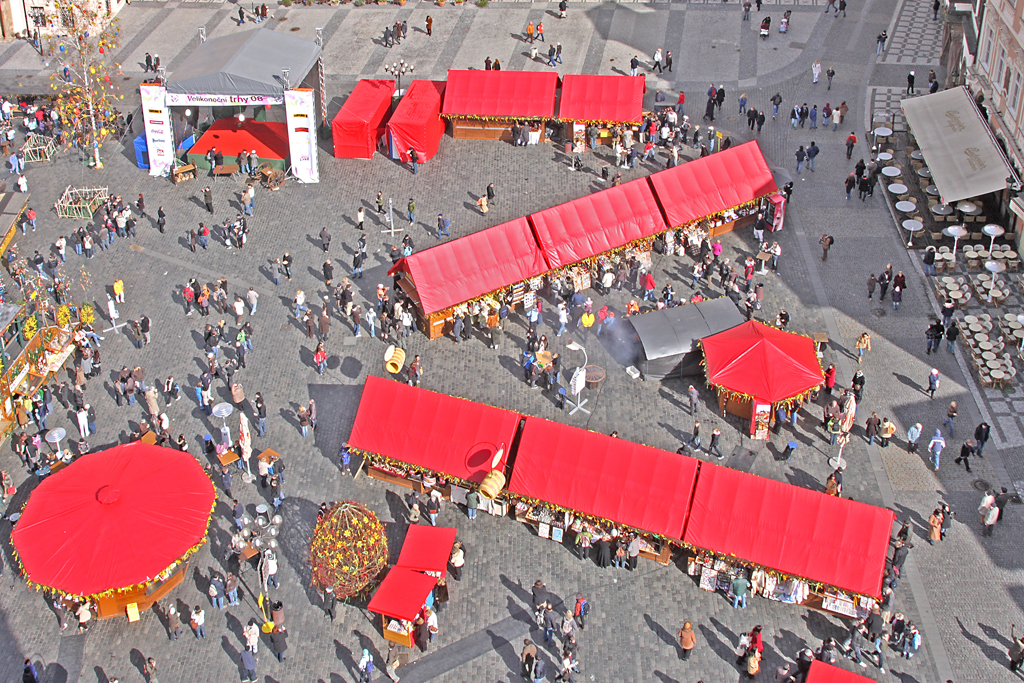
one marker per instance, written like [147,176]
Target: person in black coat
[278,642]
[422,635]
[604,553]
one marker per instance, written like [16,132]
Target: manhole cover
[981,485]
[878,312]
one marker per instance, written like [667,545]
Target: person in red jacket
[648,281]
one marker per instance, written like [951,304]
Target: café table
[942,210]
[932,191]
[998,374]
[884,157]
[956,294]
[970,319]
[986,345]
[883,132]
[988,355]
[966,207]
[924,172]
[891,172]
[897,188]
[916,155]
[994,364]
[906,207]
[976,328]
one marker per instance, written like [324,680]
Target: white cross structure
[114,315]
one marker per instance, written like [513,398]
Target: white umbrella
[245,440]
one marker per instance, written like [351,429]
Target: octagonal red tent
[758,361]
[114,522]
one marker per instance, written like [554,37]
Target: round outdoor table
[891,172]
[988,355]
[986,346]
[897,188]
[1010,318]
[1014,325]
[906,207]
[948,281]
[924,172]
[994,364]
[967,207]
[916,155]
[1010,254]
[932,191]
[883,132]
[1018,334]
[595,375]
[884,157]
[984,277]
[997,373]
[998,254]
[981,337]
[956,294]
[982,253]
[912,225]
[976,328]
[942,210]
[970,319]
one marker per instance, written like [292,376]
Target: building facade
[45,18]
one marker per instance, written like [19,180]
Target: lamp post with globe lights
[398,70]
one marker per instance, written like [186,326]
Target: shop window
[1000,65]
[38,15]
[987,52]
[1014,99]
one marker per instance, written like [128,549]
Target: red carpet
[270,140]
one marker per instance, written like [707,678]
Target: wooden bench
[225,169]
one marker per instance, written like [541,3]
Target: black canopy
[669,337]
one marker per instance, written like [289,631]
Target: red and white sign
[300,113]
[159,136]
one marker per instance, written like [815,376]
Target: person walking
[863,342]
[935,447]
[913,437]
[951,413]
[880,42]
[812,151]
[826,243]
[687,641]
[851,141]
[966,451]
[933,382]
[208,199]
[800,156]
[910,84]
[989,512]
[981,435]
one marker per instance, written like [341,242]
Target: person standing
[863,342]
[740,587]
[966,451]
[812,151]
[935,447]
[472,503]
[910,83]
[851,140]
[913,436]
[634,66]
[800,156]
[249,662]
[826,243]
[989,512]
[880,41]
[414,158]
[687,638]
[208,199]
[951,413]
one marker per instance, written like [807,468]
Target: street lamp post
[398,70]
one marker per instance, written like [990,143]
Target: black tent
[669,337]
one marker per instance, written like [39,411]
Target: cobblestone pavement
[964,592]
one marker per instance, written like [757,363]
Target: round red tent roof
[114,519]
[761,361]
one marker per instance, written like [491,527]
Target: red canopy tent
[602,99]
[500,94]
[463,269]
[402,593]
[704,187]
[593,474]
[763,362]
[114,520]
[594,224]
[417,122]
[360,123]
[430,431]
[427,548]
[790,529]
[826,673]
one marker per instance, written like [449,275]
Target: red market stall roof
[426,548]
[402,593]
[761,361]
[593,474]
[796,531]
[826,673]
[463,269]
[500,94]
[717,182]
[417,122]
[360,122]
[113,519]
[594,224]
[602,99]
[439,433]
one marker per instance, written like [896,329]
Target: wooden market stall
[405,590]
[361,121]
[483,105]
[809,548]
[715,194]
[604,101]
[115,505]
[12,207]
[568,480]
[451,448]
[755,367]
[440,280]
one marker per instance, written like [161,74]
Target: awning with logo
[957,144]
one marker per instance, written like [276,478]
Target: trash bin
[568,146]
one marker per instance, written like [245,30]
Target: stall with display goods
[501,264]
[790,543]
[755,368]
[484,105]
[430,442]
[407,591]
[716,194]
[604,102]
[108,534]
[571,483]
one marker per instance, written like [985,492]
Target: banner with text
[300,111]
[180,100]
[157,121]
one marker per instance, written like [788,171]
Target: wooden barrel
[394,359]
[493,483]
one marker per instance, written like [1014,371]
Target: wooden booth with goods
[359,125]
[567,480]
[408,586]
[428,441]
[12,207]
[483,105]
[794,544]
[755,367]
[604,101]
[108,529]
[492,266]
[716,194]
